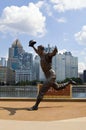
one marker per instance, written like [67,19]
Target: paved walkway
[50,115]
[71,124]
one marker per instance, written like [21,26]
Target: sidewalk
[71,124]
[50,115]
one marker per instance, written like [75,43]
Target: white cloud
[62,20]
[25,19]
[45,6]
[62,51]
[39,4]
[48,8]
[63,5]
[81,67]
[81,36]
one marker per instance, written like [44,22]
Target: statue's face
[40,50]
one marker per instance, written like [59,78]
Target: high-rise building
[36,68]
[3,61]
[59,66]
[84,76]
[7,75]
[71,65]
[20,61]
[66,66]
[15,52]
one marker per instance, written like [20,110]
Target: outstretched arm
[53,53]
[35,49]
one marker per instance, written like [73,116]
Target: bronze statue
[46,65]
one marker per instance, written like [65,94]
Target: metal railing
[32,91]
[18,91]
[79,91]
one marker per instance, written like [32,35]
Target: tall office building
[15,52]
[66,66]
[84,76]
[20,61]
[7,75]
[3,61]
[59,66]
[71,65]
[36,68]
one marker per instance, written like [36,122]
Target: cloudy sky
[55,22]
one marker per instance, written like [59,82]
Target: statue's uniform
[46,65]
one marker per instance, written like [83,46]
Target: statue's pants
[50,82]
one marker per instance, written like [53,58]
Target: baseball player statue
[46,65]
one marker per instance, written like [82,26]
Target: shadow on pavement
[12,111]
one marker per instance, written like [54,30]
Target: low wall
[52,93]
[30,92]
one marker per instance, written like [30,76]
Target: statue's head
[41,48]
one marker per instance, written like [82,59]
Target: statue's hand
[55,49]
[31,43]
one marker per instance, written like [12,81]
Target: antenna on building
[48,47]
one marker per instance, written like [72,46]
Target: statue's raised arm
[53,53]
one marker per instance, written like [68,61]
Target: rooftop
[16,43]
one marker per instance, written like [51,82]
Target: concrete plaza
[50,115]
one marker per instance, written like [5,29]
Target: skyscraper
[71,65]
[84,76]
[15,52]
[36,67]
[59,66]
[20,61]
[3,61]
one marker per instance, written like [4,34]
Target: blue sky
[55,22]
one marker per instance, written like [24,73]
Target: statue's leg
[57,86]
[40,96]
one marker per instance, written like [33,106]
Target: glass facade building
[20,61]
[71,65]
[3,61]
[84,76]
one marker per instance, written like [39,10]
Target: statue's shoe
[32,108]
[72,82]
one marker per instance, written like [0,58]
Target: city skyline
[56,22]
